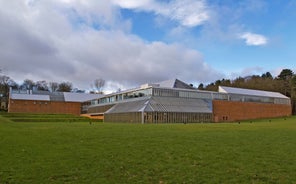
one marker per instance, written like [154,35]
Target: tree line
[6,83]
[284,83]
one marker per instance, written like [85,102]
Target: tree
[65,87]
[211,87]
[285,77]
[293,84]
[285,74]
[200,86]
[28,84]
[238,82]
[293,94]
[14,85]
[53,86]
[99,84]
[267,75]
[5,83]
[42,85]
[225,82]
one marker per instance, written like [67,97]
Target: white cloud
[254,39]
[188,13]
[56,41]
[256,70]
[132,4]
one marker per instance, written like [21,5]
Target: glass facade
[181,93]
[258,99]
[159,117]
[117,97]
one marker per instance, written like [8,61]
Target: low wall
[234,111]
[46,107]
[99,116]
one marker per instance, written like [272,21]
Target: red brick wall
[234,111]
[46,107]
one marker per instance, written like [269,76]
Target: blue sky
[131,42]
[218,40]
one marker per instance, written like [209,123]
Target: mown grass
[79,152]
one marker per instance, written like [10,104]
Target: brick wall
[234,111]
[46,107]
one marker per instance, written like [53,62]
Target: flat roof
[80,97]
[56,96]
[30,97]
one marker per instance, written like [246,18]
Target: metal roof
[130,106]
[56,96]
[29,97]
[164,104]
[80,97]
[252,92]
[167,83]
[174,83]
[171,104]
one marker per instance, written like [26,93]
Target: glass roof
[252,92]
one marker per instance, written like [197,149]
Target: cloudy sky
[131,42]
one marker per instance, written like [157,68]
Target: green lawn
[80,152]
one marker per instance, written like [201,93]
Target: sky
[133,42]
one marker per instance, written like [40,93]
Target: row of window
[187,94]
[34,102]
[246,98]
[123,96]
[177,117]
[159,117]
[218,96]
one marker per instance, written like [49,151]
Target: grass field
[80,152]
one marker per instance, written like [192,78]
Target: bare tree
[99,84]
[28,84]
[5,83]
[42,85]
[53,86]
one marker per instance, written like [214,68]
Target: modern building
[47,102]
[171,101]
[174,101]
